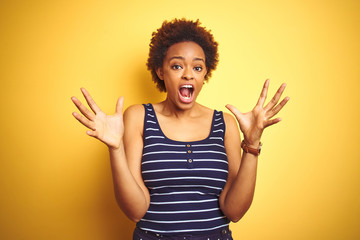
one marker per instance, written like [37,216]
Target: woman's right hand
[107,128]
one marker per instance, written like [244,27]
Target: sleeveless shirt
[184,179]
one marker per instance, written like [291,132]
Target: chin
[186,105]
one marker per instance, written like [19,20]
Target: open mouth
[186,93]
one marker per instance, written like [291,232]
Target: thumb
[119,105]
[234,111]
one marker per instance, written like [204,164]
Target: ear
[160,73]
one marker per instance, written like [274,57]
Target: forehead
[185,49]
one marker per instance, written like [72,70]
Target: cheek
[199,86]
[170,84]
[171,79]
[201,79]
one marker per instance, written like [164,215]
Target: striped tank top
[184,179]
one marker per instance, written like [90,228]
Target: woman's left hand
[253,123]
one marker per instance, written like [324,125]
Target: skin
[184,63]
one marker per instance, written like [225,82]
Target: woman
[177,165]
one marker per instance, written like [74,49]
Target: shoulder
[134,111]
[206,112]
[232,133]
[230,121]
[134,117]
[232,142]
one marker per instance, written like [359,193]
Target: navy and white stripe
[184,179]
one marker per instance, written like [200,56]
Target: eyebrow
[182,58]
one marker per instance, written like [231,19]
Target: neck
[171,109]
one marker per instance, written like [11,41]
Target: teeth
[187,86]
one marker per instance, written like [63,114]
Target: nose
[187,74]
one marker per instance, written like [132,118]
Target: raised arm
[123,136]
[238,193]
[130,191]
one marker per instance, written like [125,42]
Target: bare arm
[238,193]
[133,142]
[123,136]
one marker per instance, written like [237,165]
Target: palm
[107,128]
[253,123]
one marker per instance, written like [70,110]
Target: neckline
[177,141]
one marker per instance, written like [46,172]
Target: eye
[198,69]
[176,67]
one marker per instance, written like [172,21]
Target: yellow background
[55,181]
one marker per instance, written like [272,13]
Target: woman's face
[183,72]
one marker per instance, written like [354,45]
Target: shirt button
[189,151]
[188,145]
[190,161]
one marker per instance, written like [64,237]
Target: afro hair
[175,31]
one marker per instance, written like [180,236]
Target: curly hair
[175,31]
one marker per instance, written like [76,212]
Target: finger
[90,101]
[276,97]
[83,120]
[263,94]
[277,109]
[84,110]
[119,105]
[92,133]
[234,111]
[272,122]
